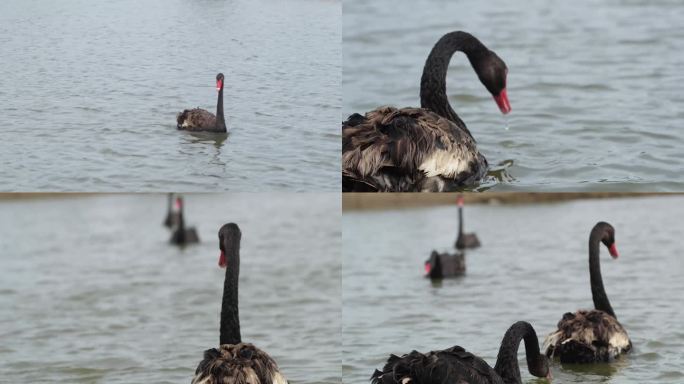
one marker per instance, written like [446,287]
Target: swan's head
[229,236]
[178,205]
[432,265]
[219,82]
[492,72]
[539,367]
[459,200]
[608,238]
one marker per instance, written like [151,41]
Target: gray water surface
[532,266]
[89,92]
[595,86]
[91,292]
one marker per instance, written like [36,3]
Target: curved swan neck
[598,293]
[230,318]
[507,359]
[433,94]
[220,119]
[460,221]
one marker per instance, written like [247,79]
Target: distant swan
[201,120]
[428,148]
[456,366]
[234,362]
[464,240]
[590,336]
[182,235]
[441,265]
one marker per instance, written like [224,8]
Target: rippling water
[90,92]
[90,291]
[532,266]
[594,85]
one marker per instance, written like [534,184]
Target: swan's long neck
[230,318]
[433,94]
[220,120]
[181,219]
[507,360]
[460,221]
[598,293]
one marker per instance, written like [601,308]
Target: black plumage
[456,365]
[234,362]
[428,148]
[200,120]
[591,336]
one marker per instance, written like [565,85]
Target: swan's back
[182,236]
[587,336]
[195,120]
[241,363]
[453,366]
[467,240]
[408,149]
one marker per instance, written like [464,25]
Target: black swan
[171,219]
[464,240]
[428,148]
[441,265]
[590,336]
[234,361]
[455,365]
[182,235]
[201,120]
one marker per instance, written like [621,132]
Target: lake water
[91,292]
[594,85]
[532,266]
[89,93]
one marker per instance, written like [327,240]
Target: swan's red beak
[222,260]
[613,251]
[219,85]
[428,268]
[459,201]
[502,101]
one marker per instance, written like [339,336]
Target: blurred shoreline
[42,195]
[382,201]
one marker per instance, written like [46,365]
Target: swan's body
[428,148]
[233,361]
[590,336]
[441,265]
[457,366]
[467,240]
[464,240]
[237,363]
[200,120]
[587,336]
[180,235]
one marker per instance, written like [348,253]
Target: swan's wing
[472,241]
[407,146]
[237,364]
[453,365]
[193,119]
[191,235]
[452,264]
